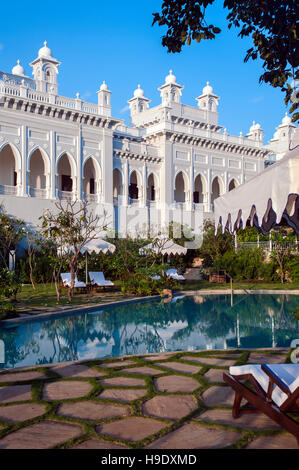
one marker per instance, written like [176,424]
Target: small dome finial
[45,43]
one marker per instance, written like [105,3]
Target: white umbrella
[266,198]
[164,246]
[98,246]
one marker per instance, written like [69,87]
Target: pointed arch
[135,184]
[10,165]
[232,184]
[152,185]
[181,184]
[91,175]
[66,170]
[200,188]
[216,188]
[117,182]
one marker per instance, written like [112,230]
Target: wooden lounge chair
[97,279]
[67,279]
[276,392]
[174,275]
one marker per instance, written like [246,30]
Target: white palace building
[169,165]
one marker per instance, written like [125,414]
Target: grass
[43,299]
[89,427]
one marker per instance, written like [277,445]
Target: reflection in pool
[186,323]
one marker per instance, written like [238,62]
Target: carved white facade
[169,164]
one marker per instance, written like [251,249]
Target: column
[53,177]
[22,176]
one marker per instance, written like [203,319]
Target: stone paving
[166,401]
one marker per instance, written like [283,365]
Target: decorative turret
[255,132]
[171,91]
[138,103]
[208,100]
[104,100]
[45,70]
[18,70]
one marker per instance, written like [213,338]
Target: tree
[70,230]
[11,232]
[281,254]
[214,244]
[272,25]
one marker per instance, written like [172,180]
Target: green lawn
[42,299]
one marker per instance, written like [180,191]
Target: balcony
[37,192]
[65,195]
[8,190]
[91,197]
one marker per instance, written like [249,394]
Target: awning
[98,246]
[265,199]
[164,246]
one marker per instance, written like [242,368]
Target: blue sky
[114,41]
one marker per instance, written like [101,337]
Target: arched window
[232,185]
[37,177]
[151,188]
[134,186]
[117,183]
[215,188]
[8,174]
[65,174]
[89,174]
[198,193]
[180,188]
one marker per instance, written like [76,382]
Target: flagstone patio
[171,401]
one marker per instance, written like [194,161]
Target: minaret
[45,70]
[138,103]
[171,91]
[104,100]
[208,101]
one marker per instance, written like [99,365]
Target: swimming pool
[186,323]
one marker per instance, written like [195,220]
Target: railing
[91,197]
[66,195]
[267,245]
[8,190]
[38,192]
[23,91]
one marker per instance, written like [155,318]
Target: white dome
[138,93]
[257,126]
[45,51]
[207,90]
[18,69]
[170,78]
[286,120]
[104,87]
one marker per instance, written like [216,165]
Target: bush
[140,283]
[10,285]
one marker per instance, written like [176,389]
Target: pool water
[186,323]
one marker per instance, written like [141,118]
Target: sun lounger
[276,392]
[173,274]
[98,279]
[155,277]
[67,279]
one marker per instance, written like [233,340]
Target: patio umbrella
[266,199]
[164,246]
[98,246]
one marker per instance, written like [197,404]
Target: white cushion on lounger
[67,279]
[174,275]
[98,278]
[288,373]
